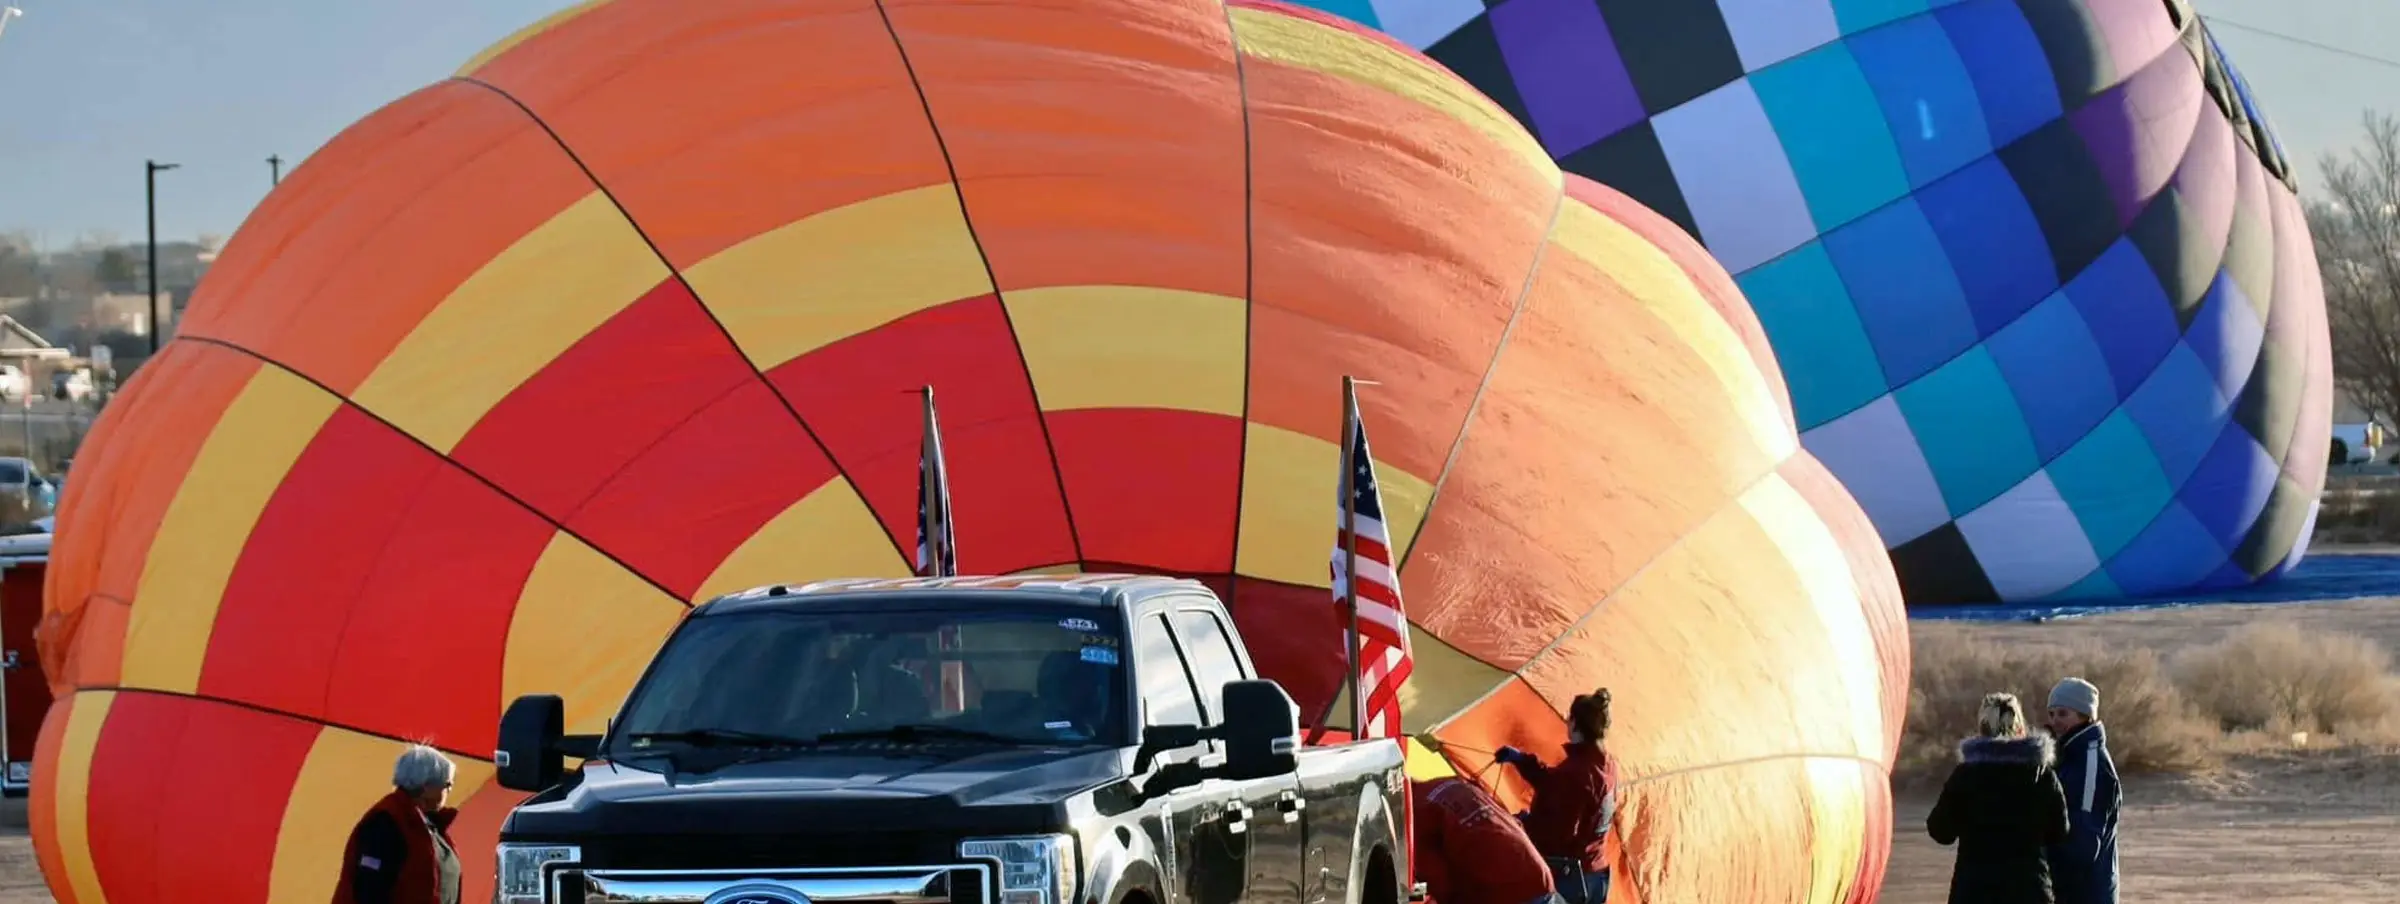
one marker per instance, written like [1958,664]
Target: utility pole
[151,169]
[275,166]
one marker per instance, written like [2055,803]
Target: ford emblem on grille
[757,894]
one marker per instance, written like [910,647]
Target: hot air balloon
[2035,269]
[632,312]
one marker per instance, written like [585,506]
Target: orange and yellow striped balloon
[622,317]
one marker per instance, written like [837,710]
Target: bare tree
[2356,226]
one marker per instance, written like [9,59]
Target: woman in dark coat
[2002,806]
[400,853]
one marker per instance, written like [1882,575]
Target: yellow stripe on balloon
[87,712]
[1424,765]
[1653,278]
[522,35]
[829,533]
[1068,568]
[1133,347]
[238,469]
[1445,680]
[808,284]
[1294,41]
[509,320]
[583,629]
[1809,549]
[1288,505]
[1838,807]
[345,773]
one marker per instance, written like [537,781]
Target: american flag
[937,546]
[1383,658]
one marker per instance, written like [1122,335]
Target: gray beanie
[2078,695]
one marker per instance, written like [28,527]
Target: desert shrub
[2152,727]
[2278,678]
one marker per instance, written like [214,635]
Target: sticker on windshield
[1054,726]
[1079,624]
[1101,655]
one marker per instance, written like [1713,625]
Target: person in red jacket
[1471,851]
[1574,802]
[400,852]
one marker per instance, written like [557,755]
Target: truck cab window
[1167,693]
[1210,652]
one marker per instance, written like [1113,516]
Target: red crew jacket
[1470,850]
[1574,803]
[419,880]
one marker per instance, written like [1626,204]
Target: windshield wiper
[919,732]
[711,737]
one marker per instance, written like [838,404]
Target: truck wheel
[1380,885]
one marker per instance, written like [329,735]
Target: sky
[89,89]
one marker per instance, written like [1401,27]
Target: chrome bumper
[863,885]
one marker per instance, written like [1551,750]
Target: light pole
[150,179]
[275,168]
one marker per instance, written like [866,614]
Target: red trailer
[24,690]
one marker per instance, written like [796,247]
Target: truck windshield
[805,678]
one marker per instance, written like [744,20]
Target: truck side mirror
[1261,730]
[534,744]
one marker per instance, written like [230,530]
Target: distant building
[31,353]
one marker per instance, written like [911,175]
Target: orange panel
[1134,177]
[1751,819]
[390,218]
[42,799]
[1705,272]
[122,492]
[477,836]
[1360,281]
[1518,561]
[1513,716]
[714,122]
[1871,570]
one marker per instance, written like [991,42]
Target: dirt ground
[2291,827]
[2283,827]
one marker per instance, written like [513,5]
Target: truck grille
[712,852]
[954,884]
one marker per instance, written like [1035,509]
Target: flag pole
[1350,429]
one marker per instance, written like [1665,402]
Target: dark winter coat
[2084,865]
[2002,806]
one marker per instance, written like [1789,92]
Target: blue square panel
[1417,23]
[2113,482]
[2174,552]
[2095,586]
[2180,411]
[1994,241]
[1973,435]
[1928,97]
[2226,578]
[1832,129]
[1766,32]
[2231,486]
[2058,372]
[2010,69]
[1827,361]
[1859,15]
[2128,312]
[2028,541]
[2227,334]
[1873,452]
[1734,176]
[1900,280]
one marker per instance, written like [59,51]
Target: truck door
[1275,809]
[24,690]
[1203,831]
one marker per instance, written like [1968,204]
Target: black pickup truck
[1012,740]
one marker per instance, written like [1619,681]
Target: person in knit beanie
[2083,869]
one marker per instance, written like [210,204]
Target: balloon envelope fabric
[630,314]
[2034,269]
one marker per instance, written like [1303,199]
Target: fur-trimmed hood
[2032,750]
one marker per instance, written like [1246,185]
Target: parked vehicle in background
[2355,443]
[1099,739]
[71,385]
[13,385]
[21,480]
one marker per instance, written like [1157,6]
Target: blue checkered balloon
[2035,269]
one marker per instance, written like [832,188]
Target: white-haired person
[2003,806]
[400,852]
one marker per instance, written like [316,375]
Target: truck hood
[1015,788]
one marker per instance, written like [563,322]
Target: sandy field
[2291,827]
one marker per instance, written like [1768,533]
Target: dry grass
[2255,688]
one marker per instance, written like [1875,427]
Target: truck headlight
[521,870]
[1034,869]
